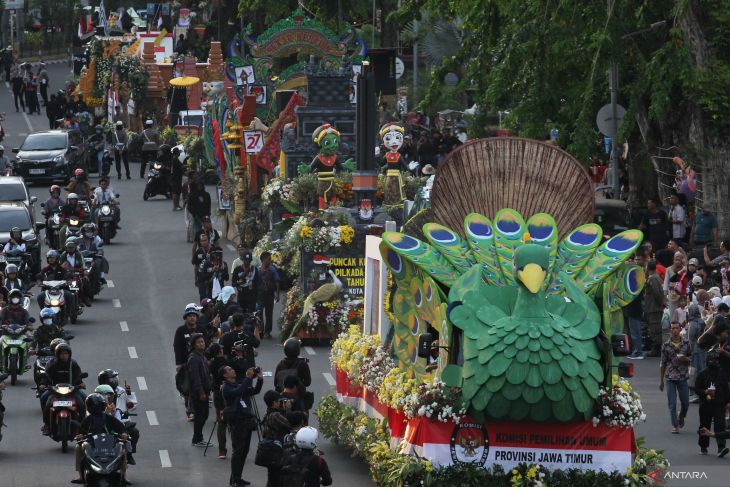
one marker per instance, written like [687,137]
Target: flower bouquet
[435,400]
[620,406]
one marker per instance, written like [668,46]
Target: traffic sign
[253,141]
[400,68]
[451,80]
[604,119]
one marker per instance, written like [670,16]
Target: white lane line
[124,326]
[152,418]
[27,121]
[231,247]
[132,352]
[165,459]
[310,350]
[328,377]
[22,134]
[109,283]
[116,303]
[142,383]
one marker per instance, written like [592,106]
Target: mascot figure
[325,164]
[392,135]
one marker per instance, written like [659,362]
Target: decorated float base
[554,446]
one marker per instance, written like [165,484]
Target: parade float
[489,350]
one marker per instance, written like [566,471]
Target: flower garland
[276,191]
[435,400]
[619,407]
[318,239]
[350,351]
[533,477]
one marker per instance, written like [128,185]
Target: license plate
[36,171]
[62,404]
[15,342]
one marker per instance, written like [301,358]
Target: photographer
[293,364]
[275,427]
[291,393]
[216,362]
[239,333]
[239,414]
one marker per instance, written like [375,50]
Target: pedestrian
[704,230]
[176,175]
[227,304]
[31,94]
[18,88]
[181,46]
[675,282]
[305,466]
[200,258]
[293,364]
[239,414]
[674,372]
[150,144]
[695,329]
[217,360]
[268,291]
[655,224]
[722,333]
[677,218]
[653,300]
[635,314]
[720,259]
[120,141]
[292,392]
[43,82]
[209,320]
[52,112]
[181,348]
[213,274]
[7,62]
[245,279]
[275,426]
[712,388]
[198,204]
[213,235]
[246,337]
[200,386]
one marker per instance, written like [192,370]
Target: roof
[12,180]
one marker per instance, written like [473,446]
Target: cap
[191,308]
[428,169]
[242,246]
[205,302]
[715,292]
[697,281]
[248,256]
[693,261]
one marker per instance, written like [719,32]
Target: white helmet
[72,196]
[306,438]
[2,149]
[148,123]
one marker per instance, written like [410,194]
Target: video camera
[244,351]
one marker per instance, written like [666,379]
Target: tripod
[255,407]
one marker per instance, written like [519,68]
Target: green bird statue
[528,356]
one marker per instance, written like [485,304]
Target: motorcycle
[63,421]
[14,350]
[54,298]
[90,256]
[103,459]
[22,262]
[106,221]
[71,229]
[157,183]
[53,230]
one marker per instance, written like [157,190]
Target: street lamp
[613,77]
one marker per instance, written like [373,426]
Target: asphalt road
[152,282]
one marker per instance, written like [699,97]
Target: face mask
[48,321]
[15,301]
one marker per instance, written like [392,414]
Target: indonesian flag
[321,260]
[86,28]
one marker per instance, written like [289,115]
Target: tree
[547,63]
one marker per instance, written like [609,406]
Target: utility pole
[415,58]
[615,161]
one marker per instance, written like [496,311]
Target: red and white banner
[555,446]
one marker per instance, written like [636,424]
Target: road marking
[231,247]
[27,121]
[165,459]
[116,303]
[109,283]
[152,418]
[310,350]
[132,352]
[7,85]
[328,377]
[22,134]
[124,326]
[142,383]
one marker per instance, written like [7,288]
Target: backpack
[294,468]
[269,453]
[182,384]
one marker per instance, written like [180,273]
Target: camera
[257,370]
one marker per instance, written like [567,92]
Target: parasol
[184,81]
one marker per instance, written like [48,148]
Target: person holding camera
[245,278]
[239,333]
[180,345]
[290,395]
[216,361]
[200,386]
[293,364]
[239,414]
[275,426]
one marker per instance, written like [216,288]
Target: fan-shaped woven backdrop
[486,175]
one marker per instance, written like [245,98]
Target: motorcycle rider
[72,260]
[98,422]
[104,193]
[150,142]
[47,331]
[54,203]
[16,244]
[122,404]
[14,311]
[79,185]
[97,142]
[5,167]
[72,208]
[92,242]
[119,139]
[62,370]
[53,271]
[12,281]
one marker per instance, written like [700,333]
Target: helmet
[104,389]
[74,196]
[47,315]
[11,269]
[16,233]
[53,188]
[95,404]
[2,148]
[52,254]
[164,150]
[70,242]
[119,124]
[15,293]
[98,128]
[62,347]
[78,172]
[191,308]
[292,347]
[54,343]
[306,438]
[148,123]
[108,376]
[88,228]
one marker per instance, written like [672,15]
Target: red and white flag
[321,260]
[86,28]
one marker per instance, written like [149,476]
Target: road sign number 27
[253,140]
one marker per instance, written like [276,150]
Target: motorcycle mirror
[116,195]
[73,147]
[31,320]
[84,375]
[43,205]
[33,199]
[15,150]
[69,337]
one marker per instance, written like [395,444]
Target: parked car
[44,156]
[17,215]
[13,190]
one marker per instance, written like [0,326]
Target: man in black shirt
[236,334]
[655,225]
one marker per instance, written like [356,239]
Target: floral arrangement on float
[332,316]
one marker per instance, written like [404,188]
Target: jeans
[118,158]
[200,409]
[100,162]
[673,387]
[635,332]
[241,442]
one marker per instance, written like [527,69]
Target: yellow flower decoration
[306,232]
[347,234]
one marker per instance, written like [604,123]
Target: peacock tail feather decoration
[525,306]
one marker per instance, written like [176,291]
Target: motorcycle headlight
[55,302]
[73,222]
[58,159]
[105,210]
[56,219]
[157,166]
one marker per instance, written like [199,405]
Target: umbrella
[184,81]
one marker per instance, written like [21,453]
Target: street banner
[555,446]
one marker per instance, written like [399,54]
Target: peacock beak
[532,276]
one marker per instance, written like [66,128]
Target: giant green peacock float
[505,324]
